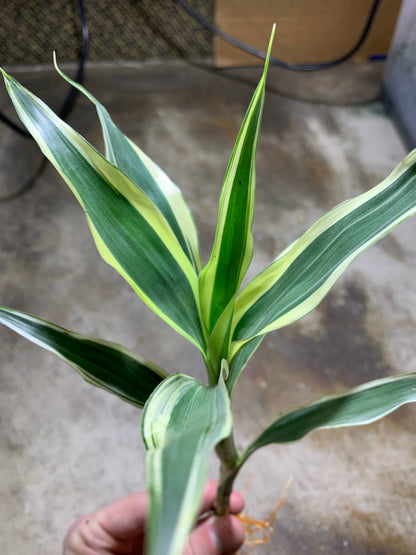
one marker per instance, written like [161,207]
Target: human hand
[120,528]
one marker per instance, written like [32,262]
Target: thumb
[216,536]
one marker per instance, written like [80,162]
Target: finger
[210,495]
[126,517]
[119,526]
[85,537]
[216,536]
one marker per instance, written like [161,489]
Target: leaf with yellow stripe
[361,405]
[298,279]
[147,175]
[182,423]
[233,244]
[130,232]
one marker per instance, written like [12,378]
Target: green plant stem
[228,456]
[225,487]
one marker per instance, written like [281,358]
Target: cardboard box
[308,31]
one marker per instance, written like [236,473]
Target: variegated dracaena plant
[142,226]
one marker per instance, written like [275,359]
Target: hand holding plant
[120,528]
[143,228]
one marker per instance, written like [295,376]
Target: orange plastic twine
[259,532]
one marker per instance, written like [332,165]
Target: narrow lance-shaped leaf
[233,244]
[101,363]
[182,423]
[124,154]
[361,405]
[129,230]
[296,282]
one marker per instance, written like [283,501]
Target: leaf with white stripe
[147,175]
[182,423]
[361,405]
[107,365]
[233,244]
[298,280]
[130,232]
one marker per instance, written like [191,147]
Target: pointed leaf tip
[358,406]
[269,49]
[232,251]
[101,363]
[130,231]
[5,75]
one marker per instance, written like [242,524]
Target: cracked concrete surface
[67,448]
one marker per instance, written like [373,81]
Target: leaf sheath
[182,423]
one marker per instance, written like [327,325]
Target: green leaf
[240,360]
[106,365]
[361,405]
[182,423]
[233,245]
[298,279]
[129,230]
[124,154]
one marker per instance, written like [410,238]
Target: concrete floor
[68,448]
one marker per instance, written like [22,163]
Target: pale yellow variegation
[143,227]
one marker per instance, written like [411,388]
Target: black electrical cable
[79,77]
[14,126]
[29,182]
[275,61]
[68,103]
[65,110]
